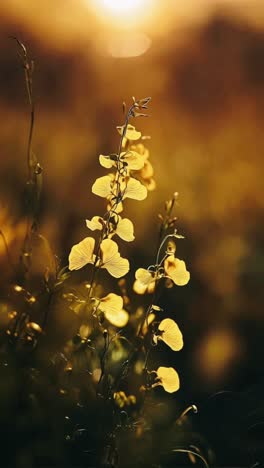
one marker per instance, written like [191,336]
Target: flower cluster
[130,177]
[172,271]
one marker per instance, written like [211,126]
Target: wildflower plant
[131,176]
[105,368]
[103,252]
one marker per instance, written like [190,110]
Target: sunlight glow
[119,7]
[123,45]
[124,13]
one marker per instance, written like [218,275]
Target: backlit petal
[125,230]
[131,132]
[118,319]
[141,149]
[139,288]
[111,259]
[176,270]
[111,303]
[106,162]
[169,379]
[144,276]
[94,223]
[133,160]
[147,171]
[171,334]
[102,186]
[135,190]
[81,253]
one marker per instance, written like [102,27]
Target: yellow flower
[168,379]
[95,223]
[132,160]
[106,161]
[175,269]
[106,187]
[147,171]
[112,307]
[103,186]
[145,281]
[131,132]
[121,399]
[134,189]
[111,259]
[81,254]
[170,333]
[123,227]
[142,150]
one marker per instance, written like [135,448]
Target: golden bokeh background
[202,62]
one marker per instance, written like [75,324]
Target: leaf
[102,186]
[81,254]
[111,259]
[169,379]
[125,229]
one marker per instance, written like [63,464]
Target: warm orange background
[202,61]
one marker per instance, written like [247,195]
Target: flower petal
[176,270]
[150,184]
[139,288]
[135,190]
[125,230]
[141,149]
[144,276]
[106,162]
[94,223]
[102,186]
[111,303]
[171,334]
[81,253]
[131,132]
[133,160]
[111,260]
[169,379]
[147,171]
[118,319]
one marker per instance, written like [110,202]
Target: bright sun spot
[119,7]
[124,13]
